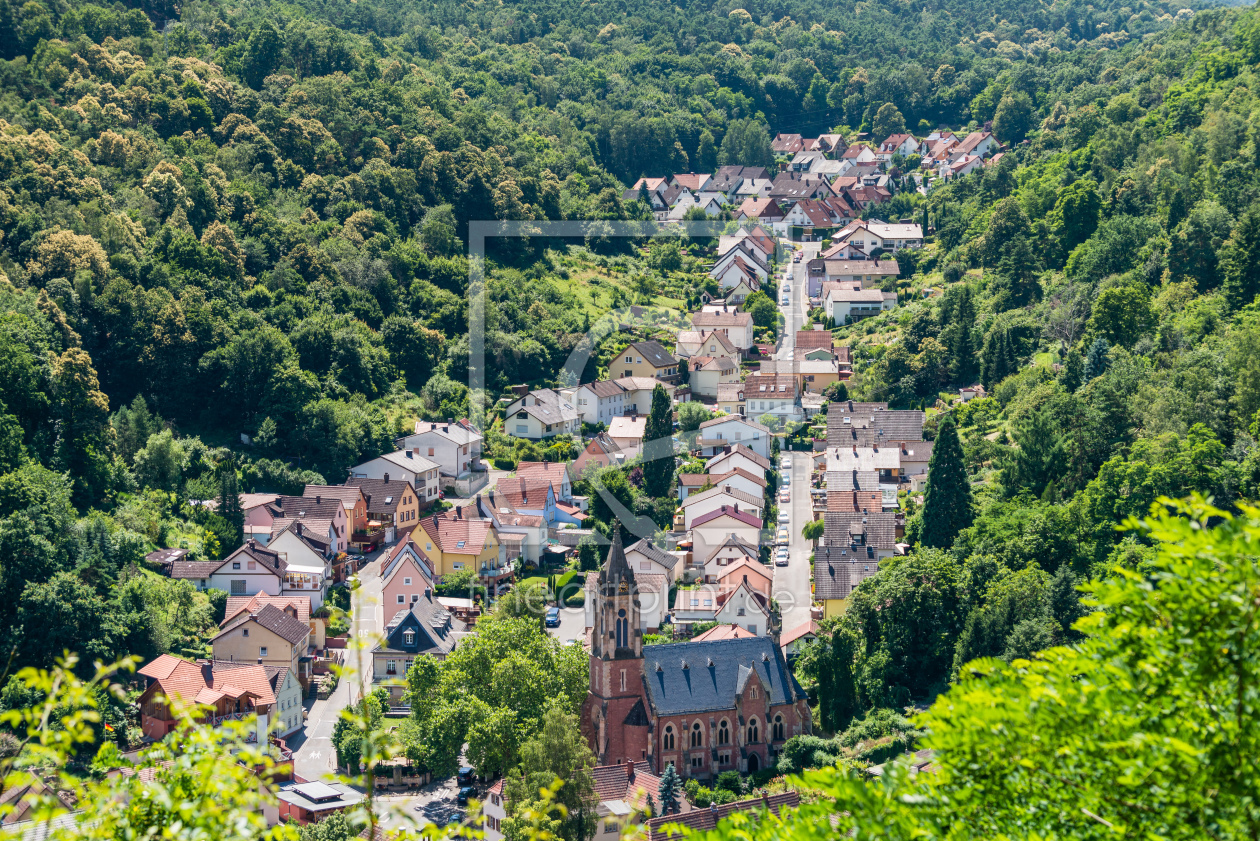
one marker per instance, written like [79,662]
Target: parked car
[781,557]
[553,617]
[796,258]
[464,793]
[466,776]
[785,463]
[785,495]
[784,517]
[782,536]
[787,287]
[786,479]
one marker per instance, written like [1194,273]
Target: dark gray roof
[845,530]
[381,496]
[289,628]
[194,569]
[714,672]
[651,550]
[251,548]
[856,480]
[655,353]
[859,414]
[835,577]
[436,630]
[877,429]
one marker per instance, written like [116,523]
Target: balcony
[496,573]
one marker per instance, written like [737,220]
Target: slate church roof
[697,677]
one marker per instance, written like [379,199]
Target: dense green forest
[246,219]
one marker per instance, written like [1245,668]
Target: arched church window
[623,629]
[697,735]
[778,728]
[754,732]
[668,738]
[724,733]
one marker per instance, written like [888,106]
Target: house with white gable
[897,144]
[708,373]
[699,504]
[696,343]
[753,484]
[978,143]
[869,237]
[736,326]
[717,527]
[454,445]
[598,402]
[718,434]
[746,253]
[708,603]
[846,303]
[726,554]
[739,457]
[408,466]
[542,413]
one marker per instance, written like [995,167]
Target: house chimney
[319,500]
[386,477]
[630,771]
[428,593]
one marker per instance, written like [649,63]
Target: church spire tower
[618,631]
[615,717]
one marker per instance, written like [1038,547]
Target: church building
[705,707]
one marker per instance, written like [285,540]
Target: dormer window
[409,637]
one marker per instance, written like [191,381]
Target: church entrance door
[754,763]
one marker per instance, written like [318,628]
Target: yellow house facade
[455,543]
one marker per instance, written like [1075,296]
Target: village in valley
[780,496]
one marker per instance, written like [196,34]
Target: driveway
[572,625]
[313,754]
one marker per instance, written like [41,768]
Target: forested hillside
[246,219]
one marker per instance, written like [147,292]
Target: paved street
[313,756]
[791,583]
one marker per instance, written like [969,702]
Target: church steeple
[618,632]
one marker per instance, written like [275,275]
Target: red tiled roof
[810,627]
[184,680]
[255,603]
[539,472]
[703,820]
[447,532]
[723,632]
[726,511]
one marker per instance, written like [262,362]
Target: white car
[784,518]
[781,558]
[787,287]
[785,463]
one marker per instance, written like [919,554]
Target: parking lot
[432,804]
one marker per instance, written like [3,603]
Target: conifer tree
[962,346]
[1040,458]
[1098,358]
[230,503]
[658,446]
[947,500]
[669,788]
